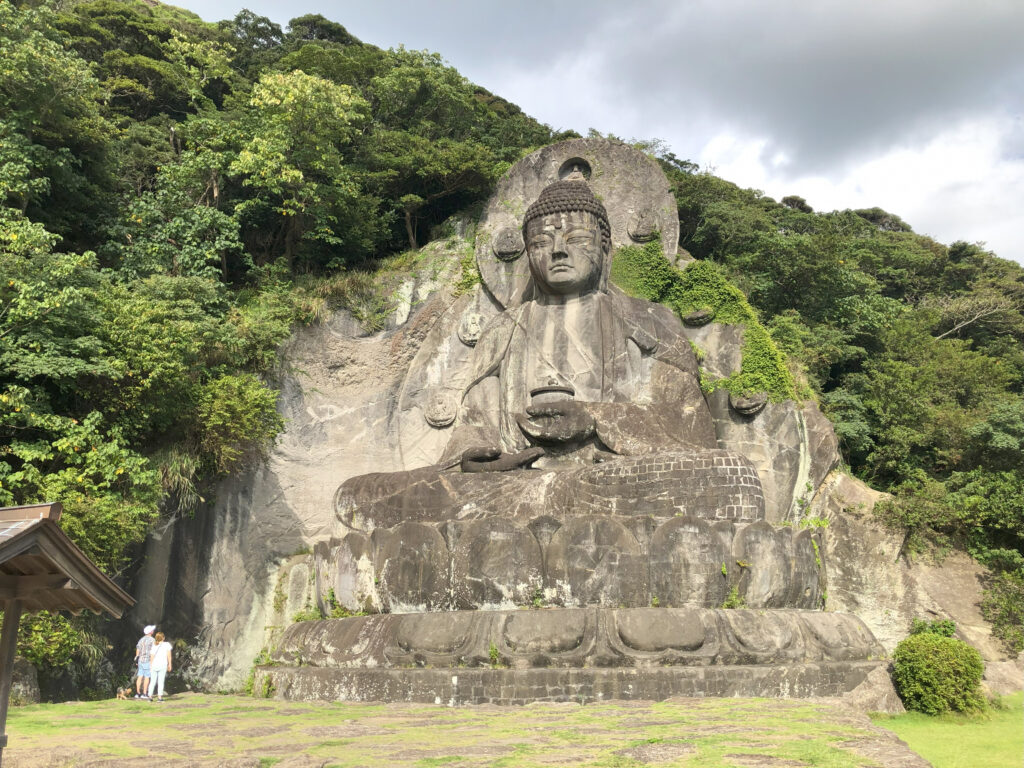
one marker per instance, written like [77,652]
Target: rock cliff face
[229,576]
[265,548]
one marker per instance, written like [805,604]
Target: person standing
[160,665]
[143,650]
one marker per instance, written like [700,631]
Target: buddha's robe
[654,448]
[626,359]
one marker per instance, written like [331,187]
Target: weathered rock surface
[632,561]
[24,683]
[792,445]
[217,573]
[524,686]
[868,576]
[513,657]
[617,517]
[579,637]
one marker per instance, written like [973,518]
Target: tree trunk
[410,229]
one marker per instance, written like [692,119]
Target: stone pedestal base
[607,560]
[523,686]
[570,654]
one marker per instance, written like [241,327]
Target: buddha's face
[565,252]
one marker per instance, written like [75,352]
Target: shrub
[239,418]
[941,627]
[1003,605]
[935,674]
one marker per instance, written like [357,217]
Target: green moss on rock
[644,272]
[469,273]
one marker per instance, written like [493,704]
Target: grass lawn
[201,730]
[993,740]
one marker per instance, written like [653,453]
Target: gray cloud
[827,85]
[822,81]
[827,82]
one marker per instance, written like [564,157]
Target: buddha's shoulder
[654,318]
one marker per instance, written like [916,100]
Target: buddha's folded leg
[385,499]
[712,484]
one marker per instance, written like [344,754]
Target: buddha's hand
[565,421]
[493,460]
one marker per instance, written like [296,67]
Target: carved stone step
[579,637]
[513,686]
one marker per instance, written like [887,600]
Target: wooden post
[8,645]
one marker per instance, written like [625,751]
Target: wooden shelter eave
[42,567]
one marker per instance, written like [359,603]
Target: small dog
[124,693]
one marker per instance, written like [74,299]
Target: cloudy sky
[911,105]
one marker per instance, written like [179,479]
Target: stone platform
[584,654]
[456,687]
[611,561]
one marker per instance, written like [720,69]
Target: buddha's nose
[558,247]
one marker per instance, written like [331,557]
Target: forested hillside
[175,195]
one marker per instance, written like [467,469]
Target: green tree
[54,148]
[185,224]
[256,39]
[438,170]
[292,160]
[315,28]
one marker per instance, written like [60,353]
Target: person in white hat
[143,649]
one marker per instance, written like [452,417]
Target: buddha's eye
[541,241]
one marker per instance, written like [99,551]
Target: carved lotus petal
[699,317]
[545,631]
[749,405]
[660,629]
[431,632]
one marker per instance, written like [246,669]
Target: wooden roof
[41,567]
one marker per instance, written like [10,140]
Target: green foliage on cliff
[704,287]
[644,272]
[913,348]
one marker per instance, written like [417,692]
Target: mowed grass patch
[991,740]
[209,730]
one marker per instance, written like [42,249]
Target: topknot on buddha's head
[570,194]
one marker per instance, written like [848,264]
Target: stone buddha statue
[574,467]
[581,400]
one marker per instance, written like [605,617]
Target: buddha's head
[568,239]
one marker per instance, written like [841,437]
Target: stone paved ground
[200,730]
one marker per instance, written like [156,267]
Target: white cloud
[958,185]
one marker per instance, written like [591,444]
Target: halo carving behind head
[624,182]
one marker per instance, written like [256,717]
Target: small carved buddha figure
[582,400]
